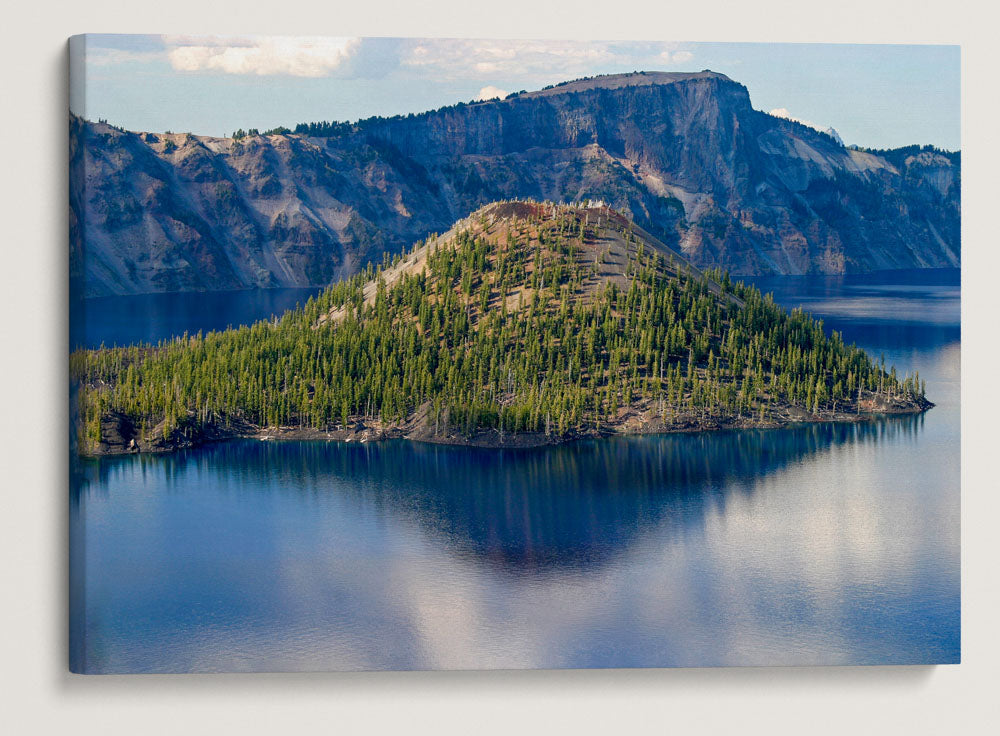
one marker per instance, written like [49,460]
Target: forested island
[527,323]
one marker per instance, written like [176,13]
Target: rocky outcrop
[685,155]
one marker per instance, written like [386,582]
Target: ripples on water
[814,544]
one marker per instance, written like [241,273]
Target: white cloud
[781,112]
[464,58]
[522,62]
[489,92]
[266,55]
[676,57]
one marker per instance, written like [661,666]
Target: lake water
[124,320]
[818,544]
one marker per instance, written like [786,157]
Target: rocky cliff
[685,155]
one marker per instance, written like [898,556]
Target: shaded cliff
[685,155]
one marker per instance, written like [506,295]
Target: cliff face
[685,155]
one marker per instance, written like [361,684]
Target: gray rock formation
[685,155]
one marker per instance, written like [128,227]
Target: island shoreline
[415,429]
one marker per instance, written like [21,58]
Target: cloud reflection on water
[820,543]
[681,549]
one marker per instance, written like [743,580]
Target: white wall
[36,693]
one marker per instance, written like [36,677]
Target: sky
[878,96]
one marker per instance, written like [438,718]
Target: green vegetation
[542,322]
[897,156]
[239,134]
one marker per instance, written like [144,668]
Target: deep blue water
[125,320]
[818,544]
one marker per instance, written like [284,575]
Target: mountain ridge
[683,155]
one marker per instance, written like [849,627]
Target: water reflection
[520,511]
[814,544]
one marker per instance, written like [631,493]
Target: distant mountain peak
[782,112]
[832,132]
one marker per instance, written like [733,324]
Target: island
[527,323]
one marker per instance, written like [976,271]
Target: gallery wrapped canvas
[472,354]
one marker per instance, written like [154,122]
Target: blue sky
[873,95]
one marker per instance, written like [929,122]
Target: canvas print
[399,353]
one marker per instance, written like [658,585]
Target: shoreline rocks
[119,435]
